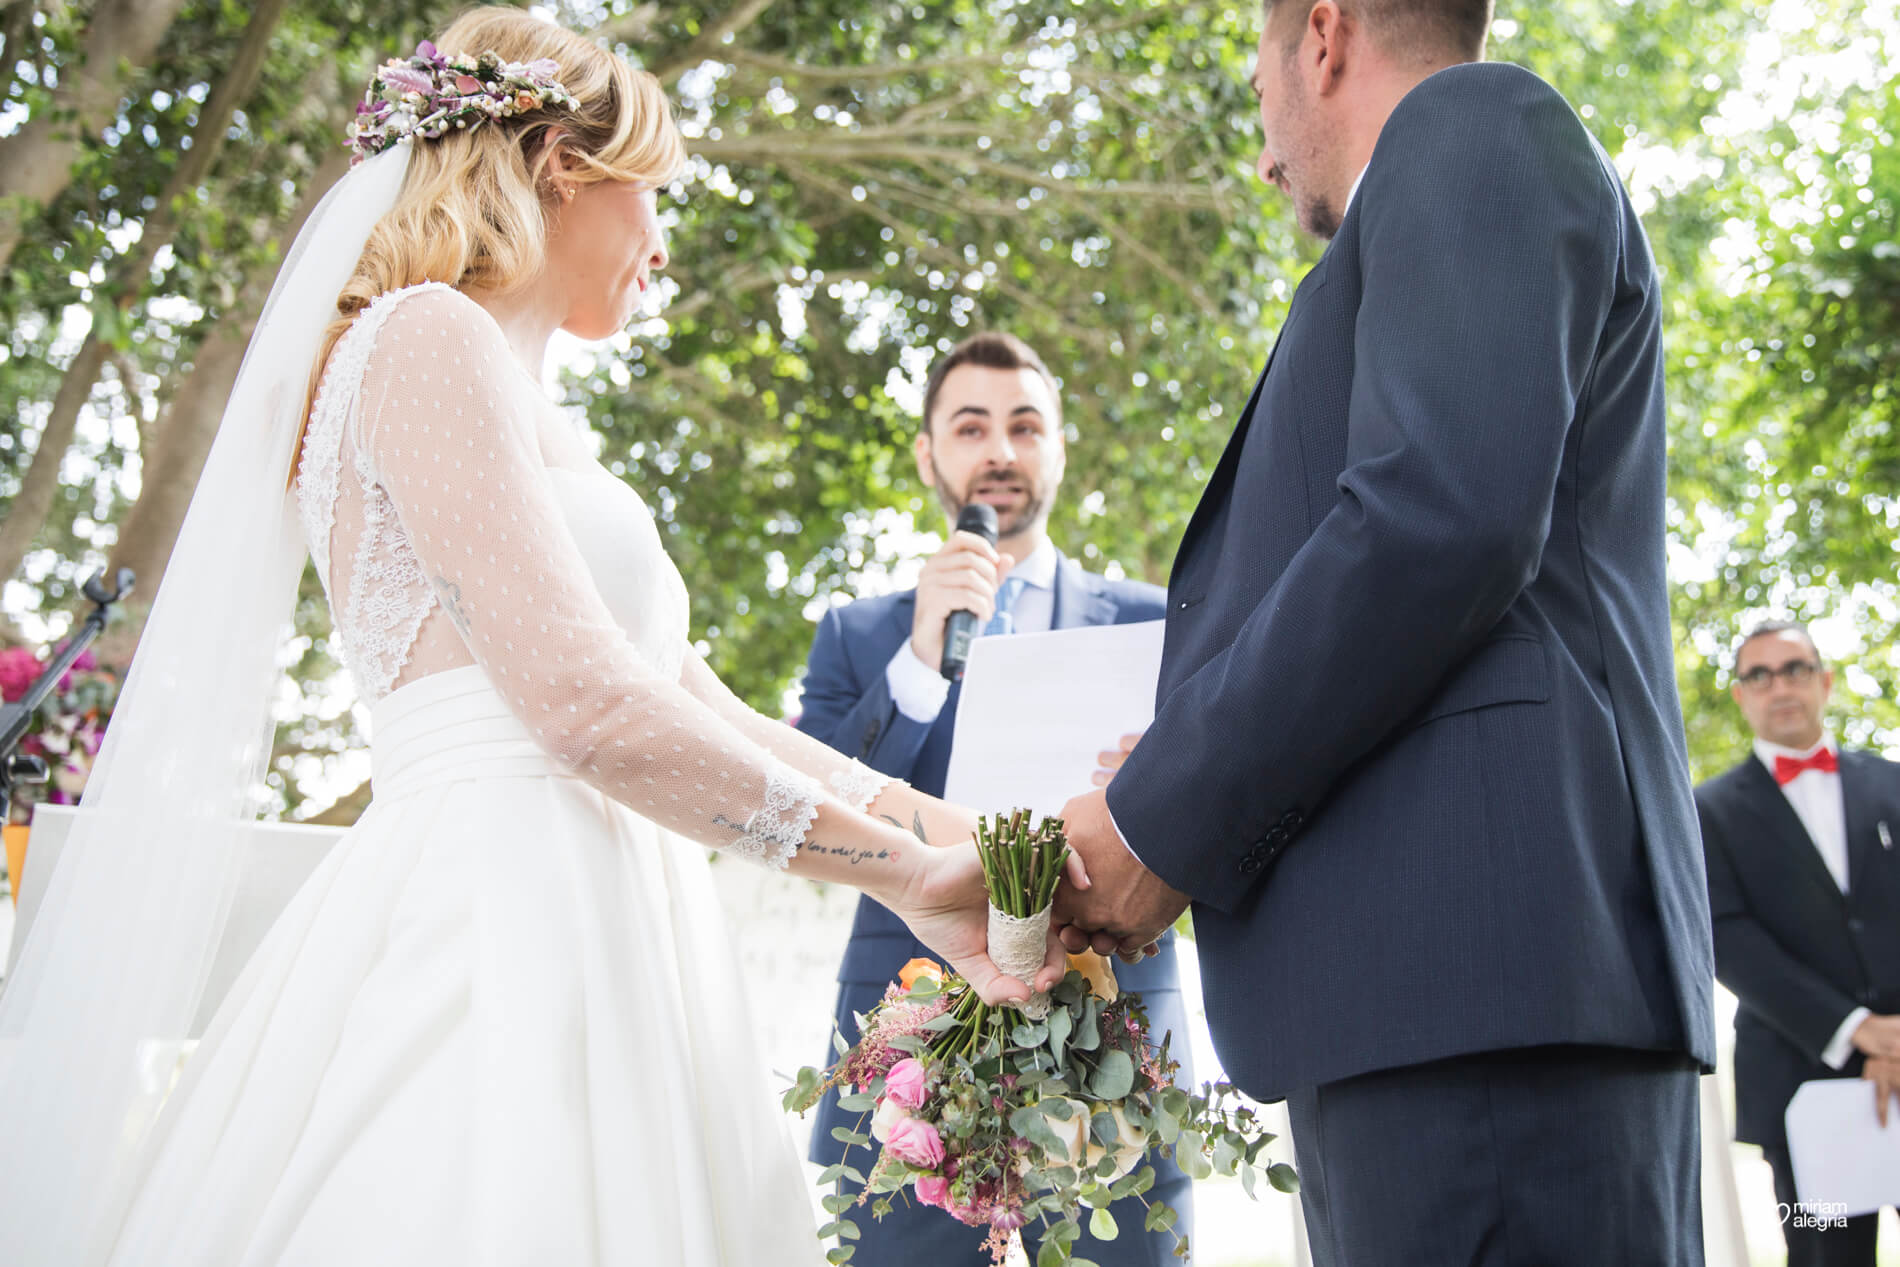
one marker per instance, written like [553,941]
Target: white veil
[113,970]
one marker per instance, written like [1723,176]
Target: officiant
[1804,885]
[992,433]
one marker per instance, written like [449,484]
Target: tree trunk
[183,437]
[27,513]
[37,161]
[30,506]
[345,810]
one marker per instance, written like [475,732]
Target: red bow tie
[1788,769]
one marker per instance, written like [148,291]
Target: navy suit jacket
[1799,954]
[848,704]
[1419,758]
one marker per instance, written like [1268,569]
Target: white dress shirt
[919,690]
[1816,798]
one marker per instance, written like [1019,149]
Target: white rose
[1073,1133]
[889,1113]
[1130,1146]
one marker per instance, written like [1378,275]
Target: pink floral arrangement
[68,728]
[1000,1116]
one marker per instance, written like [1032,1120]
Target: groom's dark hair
[1428,28]
[991,350]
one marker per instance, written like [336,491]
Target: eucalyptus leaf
[1114,1075]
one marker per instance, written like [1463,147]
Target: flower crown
[428,94]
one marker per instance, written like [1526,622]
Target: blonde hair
[473,207]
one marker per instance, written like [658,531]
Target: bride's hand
[945,904]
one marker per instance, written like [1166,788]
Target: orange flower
[1099,973]
[920,968]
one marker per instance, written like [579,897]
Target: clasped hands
[1122,908]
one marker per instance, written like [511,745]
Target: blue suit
[848,704]
[1419,758]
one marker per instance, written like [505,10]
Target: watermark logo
[1819,1215]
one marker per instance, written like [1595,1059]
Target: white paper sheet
[1037,709]
[1844,1162]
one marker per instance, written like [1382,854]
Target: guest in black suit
[1804,885]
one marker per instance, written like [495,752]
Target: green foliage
[874,180]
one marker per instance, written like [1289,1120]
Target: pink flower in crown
[915,1142]
[18,668]
[933,1190]
[543,68]
[905,1083]
[408,80]
[468,85]
[526,101]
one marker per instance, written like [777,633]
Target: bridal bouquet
[1003,1115]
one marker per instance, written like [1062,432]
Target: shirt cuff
[1839,1048]
[918,690]
[1119,836]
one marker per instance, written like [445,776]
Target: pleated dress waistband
[448,727]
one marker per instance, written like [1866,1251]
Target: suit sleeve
[1803,1005]
[1488,268]
[856,716]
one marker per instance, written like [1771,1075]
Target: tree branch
[711,41]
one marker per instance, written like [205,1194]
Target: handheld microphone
[960,629]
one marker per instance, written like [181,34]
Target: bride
[500,1024]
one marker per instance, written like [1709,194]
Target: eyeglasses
[1794,673]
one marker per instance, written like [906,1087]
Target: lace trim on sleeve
[857,785]
[778,828]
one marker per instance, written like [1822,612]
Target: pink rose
[934,1190]
[915,1142]
[905,1083]
[18,668]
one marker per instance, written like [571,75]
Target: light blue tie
[1006,596]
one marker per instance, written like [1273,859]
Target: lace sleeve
[852,782]
[448,425]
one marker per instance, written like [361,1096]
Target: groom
[1418,761]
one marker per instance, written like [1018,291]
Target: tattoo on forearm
[916,825]
[851,856]
[451,596]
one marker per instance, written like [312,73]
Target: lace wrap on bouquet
[438,525]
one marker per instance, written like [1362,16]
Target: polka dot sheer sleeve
[447,425]
[852,782]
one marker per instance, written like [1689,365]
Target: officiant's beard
[1032,514]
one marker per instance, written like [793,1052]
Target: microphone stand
[17,716]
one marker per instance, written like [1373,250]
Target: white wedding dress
[501,1025]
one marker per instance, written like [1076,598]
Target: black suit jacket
[1799,954]
[1419,756]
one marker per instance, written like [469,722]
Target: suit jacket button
[1856,925]
[1249,865]
[1292,820]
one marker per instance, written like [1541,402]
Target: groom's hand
[1126,907]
